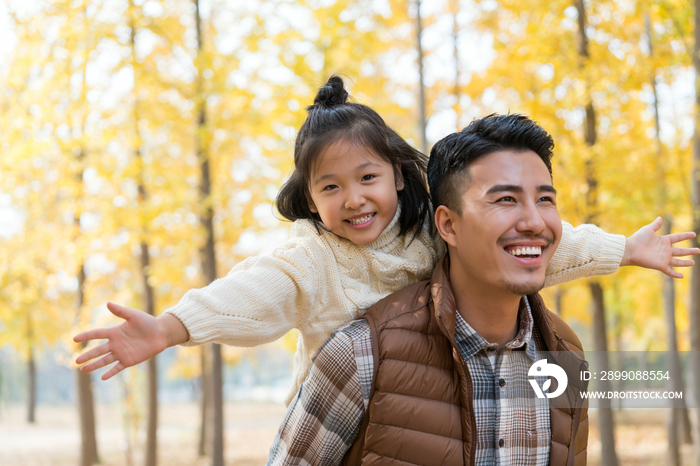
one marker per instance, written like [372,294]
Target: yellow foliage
[99,135]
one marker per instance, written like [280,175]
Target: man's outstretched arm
[324,418]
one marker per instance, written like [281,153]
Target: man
[436,373]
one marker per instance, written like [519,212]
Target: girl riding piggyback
[362,230]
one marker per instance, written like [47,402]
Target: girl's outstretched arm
[140,337]
[257,302]
[588,251]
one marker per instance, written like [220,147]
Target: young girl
[362,230]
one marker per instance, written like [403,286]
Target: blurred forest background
[143,142]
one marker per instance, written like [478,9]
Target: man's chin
[522,289]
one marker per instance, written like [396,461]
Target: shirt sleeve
[260,299]
[584,251]
[324,418]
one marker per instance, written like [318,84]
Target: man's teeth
[357,221]
[533,251]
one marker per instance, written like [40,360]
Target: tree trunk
[208,253]
[619,358]
[151,452]
[31,372]
[695,278]
[675,414]
[421,83]
[205,415]
[88,451]
[606,423]
[600,345]
[31,389]
[217,406]
[147,296]
[86,408]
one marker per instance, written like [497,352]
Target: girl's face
[354,192]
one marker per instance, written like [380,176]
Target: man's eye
[547,199]
[368,177]
[506,199]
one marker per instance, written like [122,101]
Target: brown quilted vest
[420,406]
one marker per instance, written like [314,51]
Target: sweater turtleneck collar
[388,238]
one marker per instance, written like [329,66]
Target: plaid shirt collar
[470,342]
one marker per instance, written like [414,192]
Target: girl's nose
[354,200]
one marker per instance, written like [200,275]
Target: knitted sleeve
[260,299]
[584,251]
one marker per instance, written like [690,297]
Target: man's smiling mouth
[526,252]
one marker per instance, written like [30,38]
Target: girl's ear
[312,206]
[399,179]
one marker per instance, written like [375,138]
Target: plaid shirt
[324,418]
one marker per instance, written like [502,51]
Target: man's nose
[355,199]
[530,219]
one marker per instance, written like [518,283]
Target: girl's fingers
[109,359]
[120,311]
[93,353]
[117,368]
[678,237]
[656,224]
[95,334]
[684,251]
[682,262]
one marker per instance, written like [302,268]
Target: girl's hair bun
[332,93]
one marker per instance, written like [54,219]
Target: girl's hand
[645,249]
[140,337]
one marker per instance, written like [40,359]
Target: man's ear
[445,220]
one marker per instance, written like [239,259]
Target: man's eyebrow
[514,188]
[505,187]
[547,187]
[331,175]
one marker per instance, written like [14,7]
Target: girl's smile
[354,191]
[362,220]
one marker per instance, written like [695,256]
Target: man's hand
[645,249]
[140,337]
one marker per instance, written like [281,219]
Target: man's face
[509,227]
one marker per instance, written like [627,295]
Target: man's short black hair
[450,158]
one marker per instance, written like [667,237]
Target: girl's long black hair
[332,118]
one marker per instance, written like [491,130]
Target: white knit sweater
[318,282]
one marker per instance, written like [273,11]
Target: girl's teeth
[360,220]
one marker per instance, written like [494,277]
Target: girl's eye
[368,177]
[330,187]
